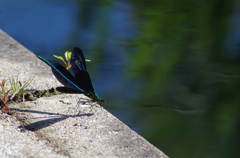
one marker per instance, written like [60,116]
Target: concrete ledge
[50,127]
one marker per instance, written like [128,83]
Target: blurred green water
[190,82]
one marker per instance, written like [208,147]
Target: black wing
[68,90]
[78,60]
[79,67]
[60,78]
[83,80]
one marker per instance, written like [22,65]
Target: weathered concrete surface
[49,127]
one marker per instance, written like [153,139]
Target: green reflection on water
[182,60]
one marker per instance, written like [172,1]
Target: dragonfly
[80,82]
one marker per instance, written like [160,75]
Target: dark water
[168,69]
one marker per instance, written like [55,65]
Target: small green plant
[3,86]
[4,99]
[4,95]
[15,91]
[67,59]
